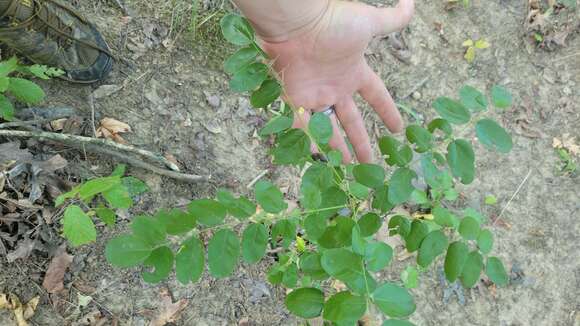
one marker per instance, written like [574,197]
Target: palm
[326,66]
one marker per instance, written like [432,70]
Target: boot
[50,33]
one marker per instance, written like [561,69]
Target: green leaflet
[149,230]
[400,186]
[207,212]
[370,175]
[377,256]
[190,261]
[393,300]
[338,235]
[419,136]
[496,272]
[276,125]
[78,227]
[455,260]
[223,252]
[395,152]
[320,128]
[161,259]
[500,97]
[369,224]
[493,136]
[268,92]
[473,99]
[254,242]
[469,228]
[237,30]
[485,241]
[127,251]
[472,269]
[240,59]
[344,307]
[25,91]
[305,302]
[432,246]
[452,111]
[461,160]
[249,77]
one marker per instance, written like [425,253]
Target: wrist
[277,21]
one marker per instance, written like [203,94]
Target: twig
[256,179]
[190,178]
[92,105]
[16,124]
[416,87]
[513,196]
[78,141]
[122,7]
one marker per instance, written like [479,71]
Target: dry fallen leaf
[567,142]
[169,311]
[21,312]
[53,280]
[110,129]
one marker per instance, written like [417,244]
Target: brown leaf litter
[169,311]
[54,278]
[111,129]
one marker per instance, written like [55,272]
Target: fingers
[388,20]
[353,124]
[373,90]
[337,141]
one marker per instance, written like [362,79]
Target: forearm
[278,20]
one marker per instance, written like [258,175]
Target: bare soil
[176,99]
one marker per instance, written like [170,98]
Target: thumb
[388,20]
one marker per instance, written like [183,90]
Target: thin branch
[109,148]
[190,178]
[75,141]
[513,196]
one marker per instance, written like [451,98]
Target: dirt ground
[175,97]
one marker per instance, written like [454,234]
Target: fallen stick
[110,148]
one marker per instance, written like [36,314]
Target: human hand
[324,65]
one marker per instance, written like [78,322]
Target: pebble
[416,95]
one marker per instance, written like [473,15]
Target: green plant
[99,197]
[471,46]
[23,90]
[330,236]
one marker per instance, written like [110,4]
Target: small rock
[105,90]
[213,100]
[416,95]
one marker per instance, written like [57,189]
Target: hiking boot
[52,34]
